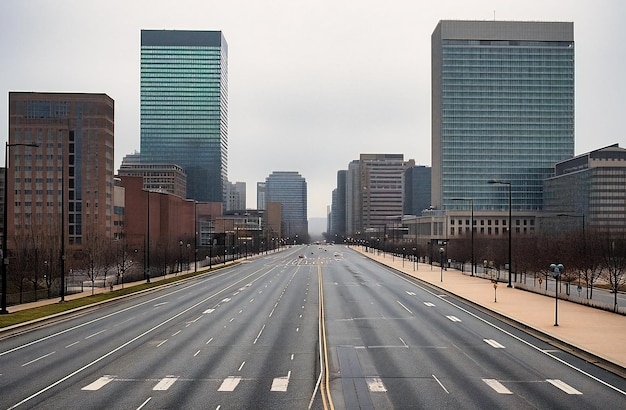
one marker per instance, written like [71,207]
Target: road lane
[394,344]
[199,347]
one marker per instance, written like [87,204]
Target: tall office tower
[353,198]
[338,207]
[184,106]
[260,195]
[381,187]
[417,190]
[290,190]
[235,196]
[69,176]
[502,109]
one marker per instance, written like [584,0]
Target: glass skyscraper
[289,189]
[184,106]
[502,109]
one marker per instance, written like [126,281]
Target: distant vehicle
[300,256]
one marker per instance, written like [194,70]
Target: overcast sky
[312,84]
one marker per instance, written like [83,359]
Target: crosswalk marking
[375,384]
[230,383]
[281,383]
[98,384]
[165,383]
[563,386]
[493,343]
[497,386]
[453,318]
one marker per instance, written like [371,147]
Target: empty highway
[248,336]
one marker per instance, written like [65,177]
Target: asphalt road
[242,338]
[247,336]
[397,344]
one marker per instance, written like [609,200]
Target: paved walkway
[98,290]
[600,333]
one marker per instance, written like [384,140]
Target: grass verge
[41,312]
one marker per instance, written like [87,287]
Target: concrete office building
[381,184]
[170,178]
[235,196]
[184,106]
[354,216]
[502,109]
[69,177]
[290,190]
[588,190]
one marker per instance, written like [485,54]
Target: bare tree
[614,254]
[96,257]
[590,261]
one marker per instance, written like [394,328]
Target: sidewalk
[597,332]
[99,290]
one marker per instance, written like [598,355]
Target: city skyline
[304,84]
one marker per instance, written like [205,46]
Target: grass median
[44,311]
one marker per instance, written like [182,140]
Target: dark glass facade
[417,182]
[184,106]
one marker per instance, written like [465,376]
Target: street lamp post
[471,228]
[195,236]
[211,253]
[441,251]
[180,256]
[556,272]
[508,184]
[188,248]
[5,256]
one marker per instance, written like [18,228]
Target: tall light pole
[180,256]
[441,251]
[195,237]
[507,183]
[147,240]
[471,227]
[5,256]
[556,269]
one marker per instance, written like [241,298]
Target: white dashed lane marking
[497,386]
[98,384]
[165,383]
[230,383]
[493,343]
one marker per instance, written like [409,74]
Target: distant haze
[317,226]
